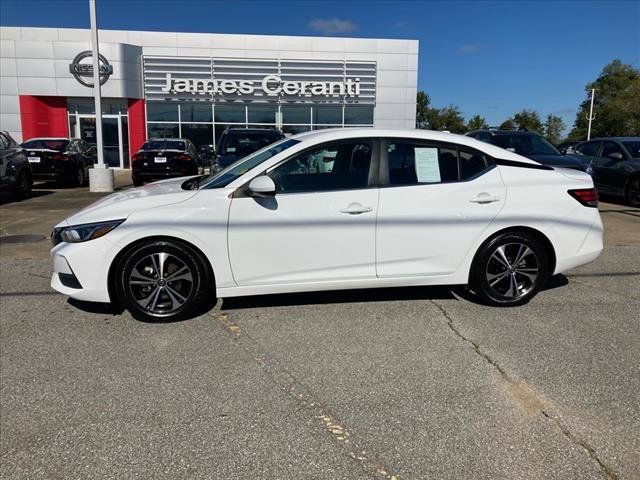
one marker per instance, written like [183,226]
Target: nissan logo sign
[83,72]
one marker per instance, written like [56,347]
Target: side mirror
[262,186]
[615,156]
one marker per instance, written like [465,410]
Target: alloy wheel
[161,283]
[512,270]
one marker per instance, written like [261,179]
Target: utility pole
[100,176]
[591,117]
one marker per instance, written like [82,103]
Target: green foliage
[616,107]
[508,124]
[422,109]
[553,127]
[529,120]
[477,122]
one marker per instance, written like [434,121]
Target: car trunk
[43,160]
[162,161]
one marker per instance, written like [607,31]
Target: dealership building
[161,84]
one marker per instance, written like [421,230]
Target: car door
[436,199]
[5,153]
[608,167]
[319,226]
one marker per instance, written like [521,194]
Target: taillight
[60,156]
[136,157]
[586,196]
[183,156]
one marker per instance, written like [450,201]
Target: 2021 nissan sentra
[334,209]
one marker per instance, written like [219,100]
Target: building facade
[157,84]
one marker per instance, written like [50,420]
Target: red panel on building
[43,116]
[137,127]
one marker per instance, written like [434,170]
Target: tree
[529,120]
[507,125]
[448,118]
[422,109]
[476,123]
[553,128]
[451,119]
[616,107]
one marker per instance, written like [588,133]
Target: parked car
[236,143]
[530,145]
[567,148]
[616,166]
[334,209]
[161,158]
[63,160]
[15,171]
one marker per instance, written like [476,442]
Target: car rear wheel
[162,280]
[23,186]
[509,270]
[137,182]
[81,176]
[632,192]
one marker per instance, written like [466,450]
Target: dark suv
[15,171]
[63,160]
[237,143]
[530,145]
[160,158]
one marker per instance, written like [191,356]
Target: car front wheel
[632,192]
[509,270]
[23,186]
[162,280]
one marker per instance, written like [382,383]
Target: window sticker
[231,149]
[427,166]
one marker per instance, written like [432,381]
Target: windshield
[235,170]
[163,145]
[59,145]
[244,143]
[525,144]
[633,148]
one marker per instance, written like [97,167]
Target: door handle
[356,209]
[484,198]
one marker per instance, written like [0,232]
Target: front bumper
[80,270]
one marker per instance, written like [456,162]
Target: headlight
[83,233]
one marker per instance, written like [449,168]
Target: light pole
[591,117]
[100,176]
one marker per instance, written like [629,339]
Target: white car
[328,210]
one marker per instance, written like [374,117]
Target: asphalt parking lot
[395,383]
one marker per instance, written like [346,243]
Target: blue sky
[491,58]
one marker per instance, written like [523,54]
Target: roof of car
[359,132]
[48,138]
[166,139]
[496,131]
[615,139]
[240,129]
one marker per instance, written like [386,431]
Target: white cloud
[332,26]
[470,48]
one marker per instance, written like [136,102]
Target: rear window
[164,145]
[244,143]
[525,144]
[633,148]
[59,145]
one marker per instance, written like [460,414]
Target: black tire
[162,280]
[509,269]
[22,188]
[632,191]
[80,176]
[137,182]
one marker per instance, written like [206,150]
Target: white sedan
[328,210]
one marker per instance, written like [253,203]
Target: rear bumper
[590,248]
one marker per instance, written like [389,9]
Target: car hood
[564,161]
[120,205]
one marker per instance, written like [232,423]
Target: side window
[412,163]
[590,149]
[611,147]
[341,165]
[4,143]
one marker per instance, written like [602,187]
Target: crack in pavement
[538,403]
[306,401]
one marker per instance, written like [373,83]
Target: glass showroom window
[358,115]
